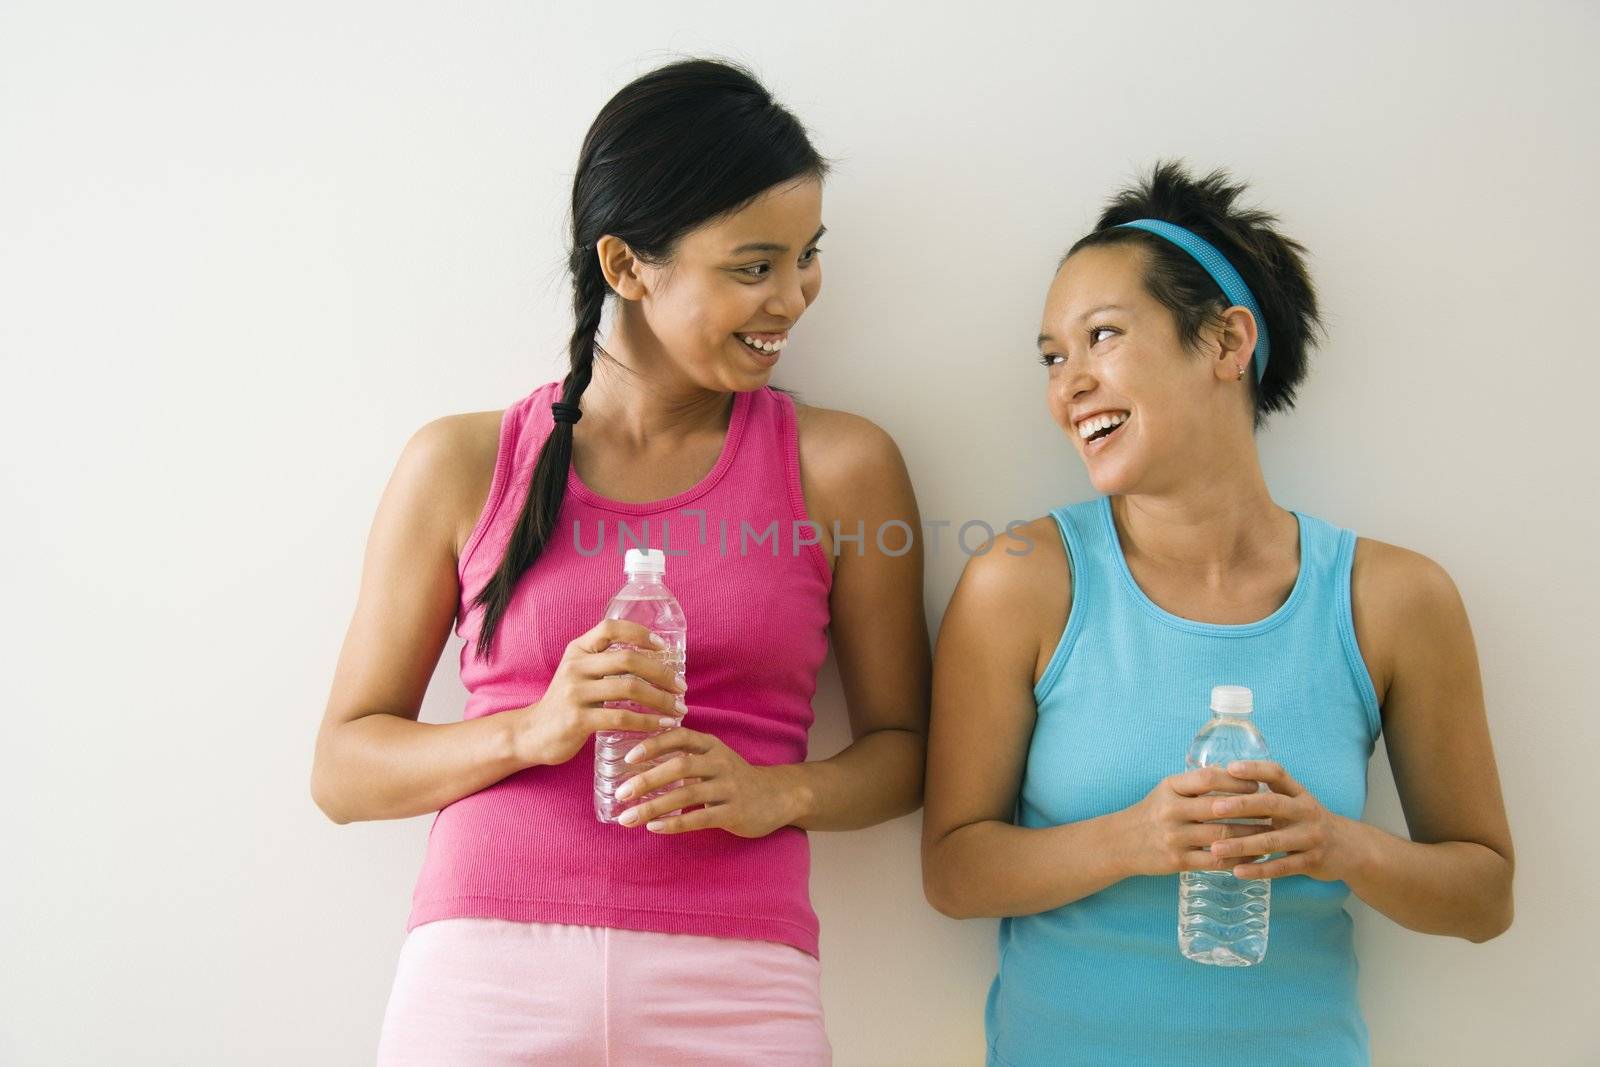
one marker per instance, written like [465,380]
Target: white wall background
[246,250]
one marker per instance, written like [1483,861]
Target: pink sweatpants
[479,992]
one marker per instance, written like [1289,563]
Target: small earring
[1240,378]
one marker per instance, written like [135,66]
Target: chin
[1111,479]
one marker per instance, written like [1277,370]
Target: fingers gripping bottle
[645,599]
[1222,919]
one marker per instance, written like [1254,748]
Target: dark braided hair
[1272,265]
[676,148]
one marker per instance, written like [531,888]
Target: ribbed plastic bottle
[1222,920]
[645,599]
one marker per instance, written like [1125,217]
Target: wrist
[1351,849]
[1119,834]
[518,748]
[796,797]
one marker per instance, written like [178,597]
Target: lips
[768,346]
[1099,443]
[764,359]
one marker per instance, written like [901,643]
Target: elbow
[1502,911]
[334,817]
[326,801]
[940,894]
[327,808]
[1500,926]
[941,901]
[912,802]
[327,791]
[912,785]
[1500,923]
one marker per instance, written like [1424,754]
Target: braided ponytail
[674,149]
[537,521]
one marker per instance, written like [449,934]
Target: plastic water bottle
[1222,919]
[644,599]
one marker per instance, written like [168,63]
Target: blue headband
[1216,264]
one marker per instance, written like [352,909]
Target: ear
[1236,343]
[621,267]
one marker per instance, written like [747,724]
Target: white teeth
[765,346]
[1090,426]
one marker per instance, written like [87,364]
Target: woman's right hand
[553,729]
[1172,828]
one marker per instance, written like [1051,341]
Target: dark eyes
[1048,358]
[761,270]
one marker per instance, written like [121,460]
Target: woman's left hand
[1309,834]
[742,799]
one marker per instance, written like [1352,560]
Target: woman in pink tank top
[685,933]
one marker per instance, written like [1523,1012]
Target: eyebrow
[766,246]
[1044,337]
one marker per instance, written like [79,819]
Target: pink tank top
[743,561]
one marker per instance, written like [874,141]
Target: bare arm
[1454,875]
[880,640]
[975,861]
[374,760]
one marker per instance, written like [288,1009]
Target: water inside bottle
[1224,920]
[649,603]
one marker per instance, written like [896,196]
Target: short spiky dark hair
[1272,264]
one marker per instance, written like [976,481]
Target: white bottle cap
[644,561]
[1231,699]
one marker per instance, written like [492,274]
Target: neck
[1215,524]
[638,396]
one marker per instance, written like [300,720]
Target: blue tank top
[1101,980]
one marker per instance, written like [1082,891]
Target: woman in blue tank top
[1078,653]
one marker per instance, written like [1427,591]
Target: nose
[1077,380]
[788,299]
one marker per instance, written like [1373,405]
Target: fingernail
[1222,807]
[668,722]
[655,639]
[629,817]
[625,791]
[635,752]
[654,824]
[1235,767]
[679,684]
[683,709]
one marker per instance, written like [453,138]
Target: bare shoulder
[1017,585]
[1019,557]
[839,444]
[449,461]
[850,467]
[1400,600]
[1023,565]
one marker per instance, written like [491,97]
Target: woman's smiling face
[724,304]
[1112,349]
